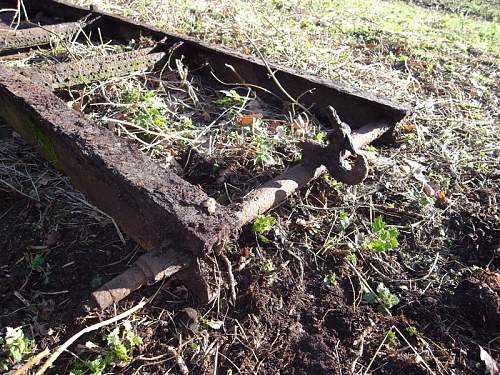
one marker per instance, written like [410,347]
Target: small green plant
[475,269]
[383,298]
[15,346]
[344,219]
[391,340]
[146,108]
[263,155]
[384,237]
[120,344]
[37,262]
[352,259]
[230,99]
[320,136]
[263,224]
[331,181]
[123,342]
[269,271]
[413,331]
[330,280]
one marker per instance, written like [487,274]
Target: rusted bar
[280,188]
[94,70]
[151,267]
[11,40]
[149,203]
[368,134]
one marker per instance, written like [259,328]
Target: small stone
[210,204]
[187,319]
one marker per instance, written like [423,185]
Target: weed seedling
[37,262]
[384,238]
[330,280]
[15,346]
[352,259]
[269,271]
[383,298]
[344,220]
[261,225]
[331,181]
[120,344]
[231,98]
[320,136]
[391,341]
[263,155]
[144,106]
[413,331]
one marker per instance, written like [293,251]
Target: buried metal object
[157,208]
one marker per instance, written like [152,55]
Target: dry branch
[91,328]
[33,361]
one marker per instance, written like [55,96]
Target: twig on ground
[91,328]
[178,360]
[33,361]
[232,281]
[118,231]
[12,187]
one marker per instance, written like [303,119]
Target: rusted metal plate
[150,204]
[11,40]
[94,70]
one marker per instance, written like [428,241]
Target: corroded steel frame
[152,205]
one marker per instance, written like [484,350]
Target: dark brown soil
[284,324]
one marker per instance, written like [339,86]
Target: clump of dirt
[479,300]
[477,239]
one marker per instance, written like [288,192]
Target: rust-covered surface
[11,40]
[97,69]
[353,106]
[150,204]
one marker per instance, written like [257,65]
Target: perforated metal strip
[94,70]
[12,40]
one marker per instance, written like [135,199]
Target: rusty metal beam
[149,203]
[13,40]
[355,107]
[94,70]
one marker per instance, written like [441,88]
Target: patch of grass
[486,9]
